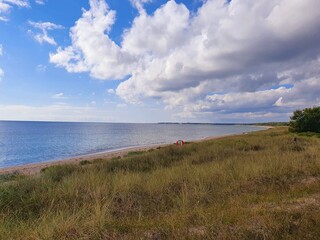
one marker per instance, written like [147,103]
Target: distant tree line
[306,120]
[275,124]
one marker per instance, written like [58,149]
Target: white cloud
[3,19]
[41,68]
[4,7]
[59,96]
[7,5]
[44,27]
[226,57]
[233,102]
[111,91]
[40,2]
[157,34]
[92,50]
[236,49]
[139,4]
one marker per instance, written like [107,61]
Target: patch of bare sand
[309,203]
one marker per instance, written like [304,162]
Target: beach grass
[261,185]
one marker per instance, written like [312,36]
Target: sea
[34,142]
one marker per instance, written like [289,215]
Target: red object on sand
[180,142]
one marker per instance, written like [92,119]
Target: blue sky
[157,60]
[31,80]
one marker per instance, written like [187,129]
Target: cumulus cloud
[139,4]
[158,34]
[244,101]
[228,57]
[7,5]
[92,50]
[43,28]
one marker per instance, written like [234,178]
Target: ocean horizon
[26,142]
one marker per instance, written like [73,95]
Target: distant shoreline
[34,168]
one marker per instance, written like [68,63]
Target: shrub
[306,120]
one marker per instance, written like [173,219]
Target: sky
[157,60]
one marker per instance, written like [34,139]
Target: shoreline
[34,168]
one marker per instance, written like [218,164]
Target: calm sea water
[32,142]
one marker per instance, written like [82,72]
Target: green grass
[261,185]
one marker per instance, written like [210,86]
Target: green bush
[306,120]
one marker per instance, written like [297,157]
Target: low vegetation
[262,185]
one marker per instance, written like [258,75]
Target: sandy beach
[34,168]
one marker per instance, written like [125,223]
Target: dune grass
[261,185]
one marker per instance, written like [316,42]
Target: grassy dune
[260,185]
